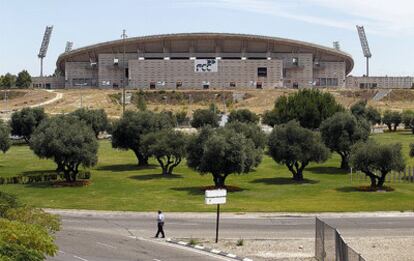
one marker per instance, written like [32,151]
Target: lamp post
[124,36]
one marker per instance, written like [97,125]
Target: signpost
[216,197]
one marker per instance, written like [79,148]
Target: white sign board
[214,193]
[215,201]
[216,196]
[205,65]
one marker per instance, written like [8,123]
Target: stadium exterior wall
[205,60]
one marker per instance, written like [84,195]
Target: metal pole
[123,71]
[217,222]
[367,66]
[41,67]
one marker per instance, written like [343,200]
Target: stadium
[203,61]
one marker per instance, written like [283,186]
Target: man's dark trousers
[160,229]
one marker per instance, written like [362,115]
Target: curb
[207,249]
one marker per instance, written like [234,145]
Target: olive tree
[204,117]
[296,147]
[23,80]
[308,107]
[24,122]
[243,115]
[392,119]
[361,110]
[407,117]
[4,137]
[167,146]
[377,160]
[96,119]
[220,153]
[127,132]
[341,131]
[69,142]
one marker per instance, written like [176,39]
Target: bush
[7,202]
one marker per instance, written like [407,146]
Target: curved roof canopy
[205,44]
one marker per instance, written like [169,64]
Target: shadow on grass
[327,170]
[38,172]
[125,167]
[155,176]
[195,191]
[365,189]
[283,181]
[42,185]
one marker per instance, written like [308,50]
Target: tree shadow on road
[125,167]
[155,176]
[283,181]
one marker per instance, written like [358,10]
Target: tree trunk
[395,127]
[344,161]
[219,180]
[381,180]
[142,159]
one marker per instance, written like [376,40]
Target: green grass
[118,184]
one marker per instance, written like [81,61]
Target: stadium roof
[205,43]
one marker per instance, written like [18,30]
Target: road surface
[92,236]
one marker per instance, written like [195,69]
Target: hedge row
[30,179]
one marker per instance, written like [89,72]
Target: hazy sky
[389,26]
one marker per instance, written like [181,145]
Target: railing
[406,176]
[330,245]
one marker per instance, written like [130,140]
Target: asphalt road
[96,236]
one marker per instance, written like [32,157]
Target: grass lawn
[118,184]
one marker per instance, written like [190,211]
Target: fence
[406,176]
[330,246]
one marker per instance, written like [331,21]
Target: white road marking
[199,247]
[106,245]
[231,255]
[61,252]
[80,258]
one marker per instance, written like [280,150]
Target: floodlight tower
[44,46]
[336,45]
[68,47]
[364,44]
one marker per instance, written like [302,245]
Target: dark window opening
[206,86]
[295,61]
[126,73]
[232,84]
[295,85]
[262,72]
[152,85]
[115,86]
[259,85]
[178,84]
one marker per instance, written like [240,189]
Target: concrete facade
[381,82]
[168,61]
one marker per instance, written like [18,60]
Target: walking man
[160,223]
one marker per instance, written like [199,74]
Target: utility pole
[124,36]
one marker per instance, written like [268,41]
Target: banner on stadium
[205,65]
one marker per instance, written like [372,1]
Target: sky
[389,26]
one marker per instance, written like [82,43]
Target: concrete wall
[384,82]
[81,74]
[243,73]
[330,70]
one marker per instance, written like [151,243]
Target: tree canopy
[68,141]
[8,80]
[377,160]
[96,119]
[243,115]
[392,119]
[167,146]
[308,107]
[407,117]
[341,131]
[4,137]
[24,122]
[127,132]
[23,80]
[220,152]
[204,117]
[296,147]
